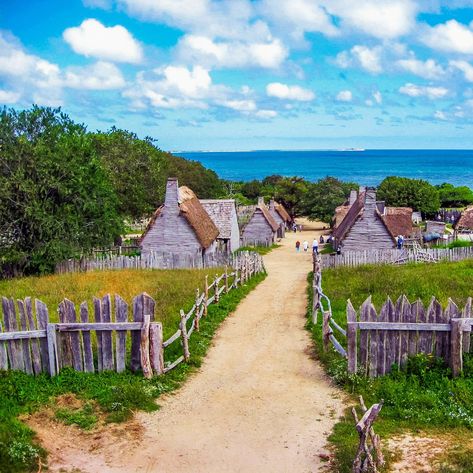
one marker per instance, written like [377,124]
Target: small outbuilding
[258,227]
[370,225]
[180,226]
[280,216]
[465,222]
[224,214]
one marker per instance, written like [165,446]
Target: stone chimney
[260,201]
[353,197]
[171,200]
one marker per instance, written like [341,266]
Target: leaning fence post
[326,330]
[456,349]
[184,337]
[217,296]
[144,347]
[206,297]
[156,349]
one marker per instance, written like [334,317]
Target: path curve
[259,403]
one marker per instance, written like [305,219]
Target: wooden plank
[172,338]
[412,317]
[430,338]
[419,312]
[135,362]
[382,334]
[52,350]
[174,364]
[466,313]
[156,348]
[451,312]
[35,351]
[121,315]
[75,337]
[456,349]
[64,339]
[404,316]
[364,336]
[184,336]
[99,327]
[3,353]
[28,363]
[373,343]
[351,338]
[107,346]
[86,340]
[42,317]
[326,330]
[98,319]
[197,310]
[390,336]
[437,314]
[15,350]
[144,348]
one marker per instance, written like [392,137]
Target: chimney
[260,201]
[271,204]
[362,189]
[171,200]
[381,204]
[353,197]
[370,198]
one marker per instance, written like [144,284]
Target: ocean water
[366,167]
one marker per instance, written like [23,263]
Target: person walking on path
[315,246]
[306,245]
[298,245]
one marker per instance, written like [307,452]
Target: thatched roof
[221,212]
[398,220]
[466,219]
[246,212]
[269,218]
[340,213]
[205,229]
[281,210]
[350,217]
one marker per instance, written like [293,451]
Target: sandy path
[260,403]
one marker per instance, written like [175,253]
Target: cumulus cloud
[114,43]
[289,92]
[345,96]
[8,96]
[98,76]
[428,69]
[204,50]
[378,98]
[451,36]
[464,67]
[361,56]
[431,92]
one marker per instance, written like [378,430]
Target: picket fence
[154,260]
[377,342]
[395,256]
[31,343]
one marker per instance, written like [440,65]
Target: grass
[262,250]
[171,289]
[110,396]
[422,397]
[456,244]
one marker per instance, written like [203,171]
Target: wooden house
[258,226]
[432,226]
[280,216]
[180,226]
[465,222]
[224,214]
[370,225]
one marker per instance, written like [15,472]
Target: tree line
[66,190]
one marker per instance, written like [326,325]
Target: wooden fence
[153,260]
[33,344]
[394,256]
[377,341]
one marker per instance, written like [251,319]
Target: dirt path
[260,403]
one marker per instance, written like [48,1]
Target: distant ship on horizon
[353,149]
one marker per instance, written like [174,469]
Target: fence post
[315,302]
[206,292]
[185,339]
[217,296]
[52,349]
[326,330]
[456,349]
[144,347]
[351,338]
[226,279]
[156,349]
[197,310]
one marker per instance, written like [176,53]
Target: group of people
[305,245]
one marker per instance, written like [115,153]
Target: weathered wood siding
[235,235]
[258,229]
[368,232]
[171,232]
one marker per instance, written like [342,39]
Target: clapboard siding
[258,229]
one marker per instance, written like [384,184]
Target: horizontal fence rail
[100,337]
[395,256]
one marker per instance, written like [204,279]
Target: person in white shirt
[315,246]
[306,245]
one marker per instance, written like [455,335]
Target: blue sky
[241,74]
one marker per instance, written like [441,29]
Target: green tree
[136,168]
[324,196]
[404,192]
[290,191]
[251,189]
[451,196]
[56,199]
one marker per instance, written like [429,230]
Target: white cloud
[8,96]
[204,50]
[240,105]
[464,67]
[114,43]
[361,56]
[265,114]
[440,115]
[98,76]
[378,98]
[289,92]
[428,69]
[413,90]
[345,96]
[451,36]
[105,4]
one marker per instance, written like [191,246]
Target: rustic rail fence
[31,343]
[155,260]
[395,256]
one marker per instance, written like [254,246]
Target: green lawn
[421,398]
[109,396]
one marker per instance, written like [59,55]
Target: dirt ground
[259,403]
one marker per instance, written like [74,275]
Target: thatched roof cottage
[370,225]
[258,227]
[465,222]
[181,225]
[224,214]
